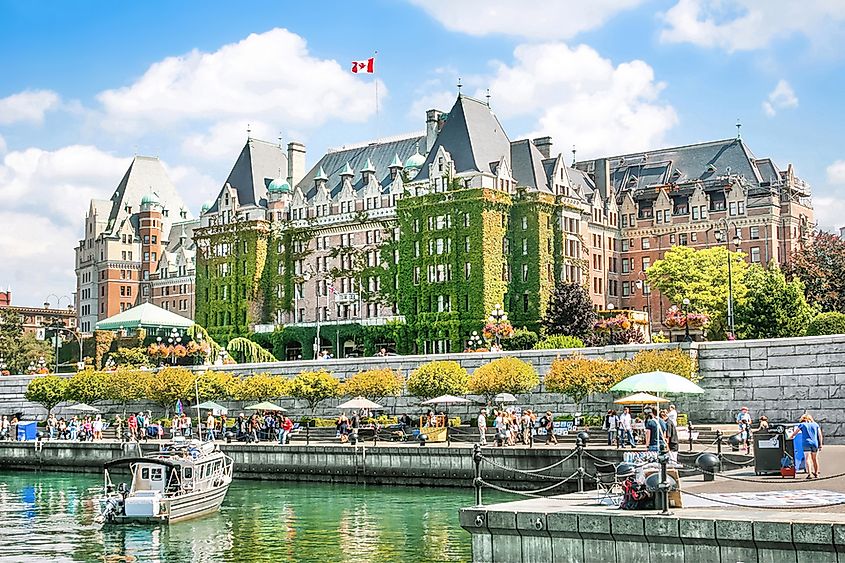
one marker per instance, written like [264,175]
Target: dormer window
[440,164]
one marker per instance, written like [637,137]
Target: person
[343,428]
[118,425]
[481,422]
[654,432]
[97,428]
[73,428]
[626,429]
[210,424]
[142,425]
[285,429]
[175,429]
[405,423]
[131,425]
[743,421]
[672,414]
[527,425]
[764,424]
[812,441]
[548,422]
[611,426]
[4,428]
[382,352]
[13,428]
[52,426]
[355,423]
[671,436]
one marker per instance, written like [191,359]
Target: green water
[49,517]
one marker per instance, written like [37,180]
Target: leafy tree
[820,265]
[87,386]
[630,335]
[20,350]
[570,311]
[442,377]
[773,306]
[125,385]
[559,341]
[375,384]
[314,387]
[131,357]
[579,377]
[48,391]
[245,350]
[169,385]
[261,387]
[217,385]
[503,375]
[521,339]
[702,277]
[674,361]
[831,322]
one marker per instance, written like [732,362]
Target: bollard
[689,431]
[719,443]
[580,443]
[307,433]
[663,458]
[476,458]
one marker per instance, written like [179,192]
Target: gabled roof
[145,315]
[380,155]
[257,165]
[146,174]
[472,135]
[527,164]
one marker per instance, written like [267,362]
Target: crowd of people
[514,426]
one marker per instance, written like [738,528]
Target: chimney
[544,145]
[602,177]
[432,128]
[296,163]
[842,233]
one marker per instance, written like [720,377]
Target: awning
[147,316]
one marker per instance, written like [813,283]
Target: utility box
[143,503]
[769,449]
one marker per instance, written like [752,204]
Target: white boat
[185,479]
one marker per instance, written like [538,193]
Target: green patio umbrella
[658,382]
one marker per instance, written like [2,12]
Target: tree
[87,386]
[314,387]
[521,339]
[820,265]
[773,306]
[579,377]
[169,385]
[125,385]
[503,375]
[18,349]
[131,357]
[245,350]
[374,384]
[831,322]
[217,385]
[261,387]
[442,377]
[674,361]
[48,391]
[559,341]
[702,277]
[570,311]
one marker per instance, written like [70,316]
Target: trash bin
[769,449]
[27,430]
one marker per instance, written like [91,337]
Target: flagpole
[375,76]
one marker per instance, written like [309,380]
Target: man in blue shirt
[811,439]
[655,433]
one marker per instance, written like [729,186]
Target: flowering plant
[502,329]
[619,322]
[675,318]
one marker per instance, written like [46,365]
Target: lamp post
[497,317]
[475,341]
[307,275]
[610,307]
[3,364]
[722,236]
[642,285]
[57,322]
[687,337]
[173,340]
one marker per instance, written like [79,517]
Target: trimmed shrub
[522,339]
[443,377]
[559,341]
[832,322]
[374,384]
[675,361]
[580,377]
[261,387]
[47,391]
[314,387]
[503,375]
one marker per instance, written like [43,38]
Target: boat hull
[184,507]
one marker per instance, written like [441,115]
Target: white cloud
[268,77]
[829,212]
[782,97]
[836,173]
[225,138]
[29,106]
[533,20]
[582,99]
[750,24]
[2,145]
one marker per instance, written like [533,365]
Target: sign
[40,333]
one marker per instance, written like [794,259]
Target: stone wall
[780,378]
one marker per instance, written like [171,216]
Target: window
[466,244]
[525,300]
[646,263]
[146,239]
[626,289]
[525,273]
[646,243]
[682,239]
[467,270]
[416,275]
[466,219]
[671,239]
[693,237]
[624,220]
[416,248]
[155,239]
[626,266]
[754,232]
[732,208]
[695,213]
[524,223]
[659,218]
[525,247]
[626,246]
[755,254]
[741,208]
[666,216]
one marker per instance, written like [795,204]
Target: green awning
[147,316]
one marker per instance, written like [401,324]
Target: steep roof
[527,165]
[472,135]
[146,174]
[380,155]
[257,165]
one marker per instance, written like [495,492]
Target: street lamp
[610,307]
[722,236]
[173,339]
[497,318]
[475,341]
[307,275]
[642,285]
[3,364]
[687,337]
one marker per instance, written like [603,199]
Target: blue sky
[88,84]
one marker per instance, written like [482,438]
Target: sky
[88,84]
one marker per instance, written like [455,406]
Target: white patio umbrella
[82,407]
[359,403]
[640,399]
[265,406]
[212,406]
[504,398]
[446,400]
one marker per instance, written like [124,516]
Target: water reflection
[49,517]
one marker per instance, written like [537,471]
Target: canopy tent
[504,398]
[82,407]
[265,406]
[640,399]
[359,403]
[659,382]
[446,400]
[212,406]
[145,315]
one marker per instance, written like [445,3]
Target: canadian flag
[364,66]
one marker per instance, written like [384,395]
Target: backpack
[635,496]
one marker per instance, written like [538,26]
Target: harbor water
[50,517]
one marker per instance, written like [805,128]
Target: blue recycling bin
[27,430]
